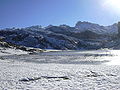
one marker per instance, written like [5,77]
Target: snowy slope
[75,70]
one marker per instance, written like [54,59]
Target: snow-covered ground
[66,70]
[10,51]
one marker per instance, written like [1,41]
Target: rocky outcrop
[118,29]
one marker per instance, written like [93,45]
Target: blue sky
[23,13]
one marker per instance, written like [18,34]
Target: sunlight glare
[115,59]
[113,5]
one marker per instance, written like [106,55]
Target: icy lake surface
[94,57]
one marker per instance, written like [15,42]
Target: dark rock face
[118,29]
[49,39]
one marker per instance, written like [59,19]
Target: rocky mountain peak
[83,26]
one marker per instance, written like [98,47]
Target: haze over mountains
[84,35]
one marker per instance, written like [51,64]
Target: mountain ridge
[84,35]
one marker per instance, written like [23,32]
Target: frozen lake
[94,57]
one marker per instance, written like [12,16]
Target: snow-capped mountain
[82,26]
[84,35]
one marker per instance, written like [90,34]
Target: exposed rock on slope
[6,45]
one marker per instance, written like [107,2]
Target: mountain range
[84,35]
